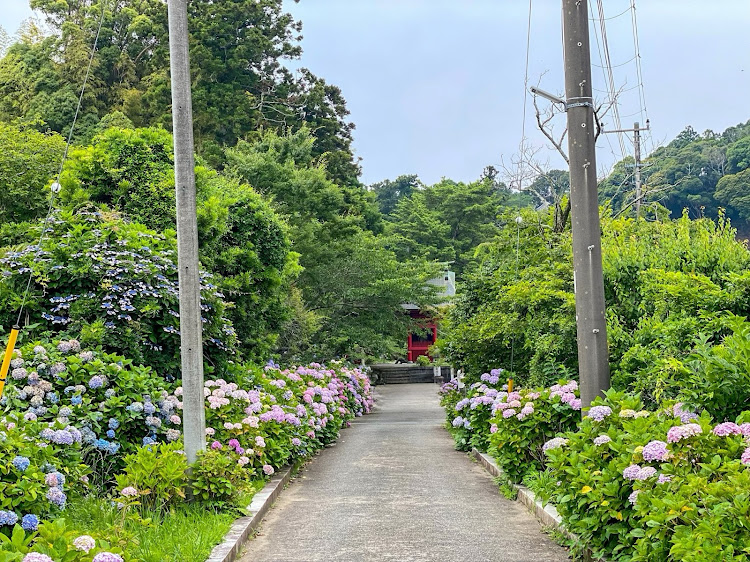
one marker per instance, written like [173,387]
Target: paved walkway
[394,488]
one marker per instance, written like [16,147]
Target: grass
[186,533]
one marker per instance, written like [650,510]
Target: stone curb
[547,515]
[242,528]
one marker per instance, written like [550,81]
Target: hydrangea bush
[116,406]
[512,427]
[113,283]
[38,471]
[523,421]
[640,485]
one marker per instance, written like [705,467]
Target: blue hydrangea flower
[148,441]
[30,522]
[76,400]
[111,433]
[113,423]
[21,463]
[8,518]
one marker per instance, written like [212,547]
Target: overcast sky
[435,87]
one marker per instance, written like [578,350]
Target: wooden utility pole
[191,326]
[588,278]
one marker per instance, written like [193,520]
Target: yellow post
[8,356]
[510,387]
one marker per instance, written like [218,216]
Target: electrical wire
[610,75]
[639,70]
[62,162]
[525,100]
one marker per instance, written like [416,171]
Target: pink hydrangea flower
[680,432]
[268,469]
[493,428]
[510,412]
[216,445]
[727,428]
[129,491]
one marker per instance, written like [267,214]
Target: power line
[525,100]
[610,75]
[601,59]
[639,72]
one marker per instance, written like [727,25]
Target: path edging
[546,514]
[229,548]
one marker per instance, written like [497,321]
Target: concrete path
[394,488]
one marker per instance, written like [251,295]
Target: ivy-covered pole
[588,280]
[191,326]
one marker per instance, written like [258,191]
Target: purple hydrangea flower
[36,557]
[631,472]
[655,451]
[632,498]
[598,413]
[645,473]
[663,478]
[602,439]
[684,415]
[554,443]
[84,543]
[107,557]
[96,382]
[745,459]
[57,497]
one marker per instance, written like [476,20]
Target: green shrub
[639,485]
[56,540]
[217,478]
[157,474]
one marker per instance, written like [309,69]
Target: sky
[436,87]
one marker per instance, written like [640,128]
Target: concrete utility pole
[191,326]
[636,130]
[593,358]
[637,151]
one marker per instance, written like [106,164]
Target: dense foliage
[665,282]
[700,173]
